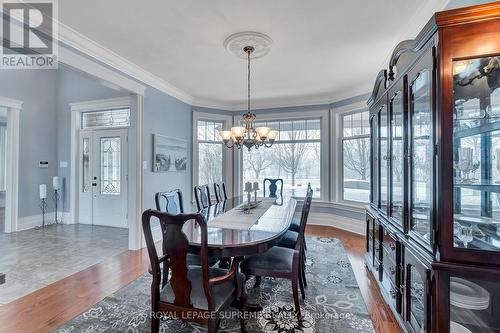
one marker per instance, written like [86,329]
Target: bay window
[295,157]
[209,152]
[355,150]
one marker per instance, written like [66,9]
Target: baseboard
[30,222]
[337,221]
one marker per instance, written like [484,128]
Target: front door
[103,178]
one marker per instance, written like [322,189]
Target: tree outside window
[356,157]
[295,157]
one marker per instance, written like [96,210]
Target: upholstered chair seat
[221,293]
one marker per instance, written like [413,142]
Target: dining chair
[202,196]
[295,225]
[220,191]
[193,293]
[282,262]
[290,238]
[273,186]
[171,202]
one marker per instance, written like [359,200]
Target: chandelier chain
[248,53]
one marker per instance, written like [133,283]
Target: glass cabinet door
[384,158]
[397,161]
[476,154]
[473,304]
[417,299]
[421,154]
[374,160]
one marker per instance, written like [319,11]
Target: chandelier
[248,136]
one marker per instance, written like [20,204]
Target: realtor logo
[29,39]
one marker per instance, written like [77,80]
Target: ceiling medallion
[251,45]
[237,42]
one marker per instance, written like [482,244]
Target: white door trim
[12,198]
[135,157]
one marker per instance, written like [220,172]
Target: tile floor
[33,259]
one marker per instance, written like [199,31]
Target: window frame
[227,153]
[323,116]
[338,156]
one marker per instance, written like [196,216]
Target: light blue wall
[167,116]
[37,131]
[74,87]
[464,3]
[45,126]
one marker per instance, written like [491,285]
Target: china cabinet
[433,223]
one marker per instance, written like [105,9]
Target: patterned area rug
[333,302]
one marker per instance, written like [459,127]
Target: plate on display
[468,295]
[457,328]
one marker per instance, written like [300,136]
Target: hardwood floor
[50,307]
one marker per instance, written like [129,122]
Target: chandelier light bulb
[273,135]
[226,135]
[238,132]
[263,132]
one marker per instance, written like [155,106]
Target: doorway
[103,190]
[3,166]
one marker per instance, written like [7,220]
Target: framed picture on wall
[169,154]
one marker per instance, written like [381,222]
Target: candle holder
[43,207]
[56,197]
[249,202]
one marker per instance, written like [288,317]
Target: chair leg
[301,284]
[303,268]
[258,281]
[296,298]
[243,310]
[213,325]
[155,322]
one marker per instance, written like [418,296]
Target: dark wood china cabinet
[433,223]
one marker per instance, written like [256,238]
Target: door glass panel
[417,296]
[472,305]
[397,157]
[384,160]
[476,154]
[110,166]
[85,165]
[375,159]
[422,155]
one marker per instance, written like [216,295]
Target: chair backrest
[175,250]
[304,216]
[202,196]
[169,202]
[273,186]
[220,191]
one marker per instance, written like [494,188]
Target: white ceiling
[324,50]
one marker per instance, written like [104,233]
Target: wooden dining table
[229,240]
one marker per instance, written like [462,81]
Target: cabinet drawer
[393,294]
[390,266]
[377,249]
[389,240]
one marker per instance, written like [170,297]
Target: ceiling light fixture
[248,135]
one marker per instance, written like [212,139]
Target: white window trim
[227,153]
[336,155]
[14,108]
[323,115]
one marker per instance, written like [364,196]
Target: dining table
[236,232]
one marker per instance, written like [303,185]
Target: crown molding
[82,43]
[89,47]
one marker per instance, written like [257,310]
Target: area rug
[333,302]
